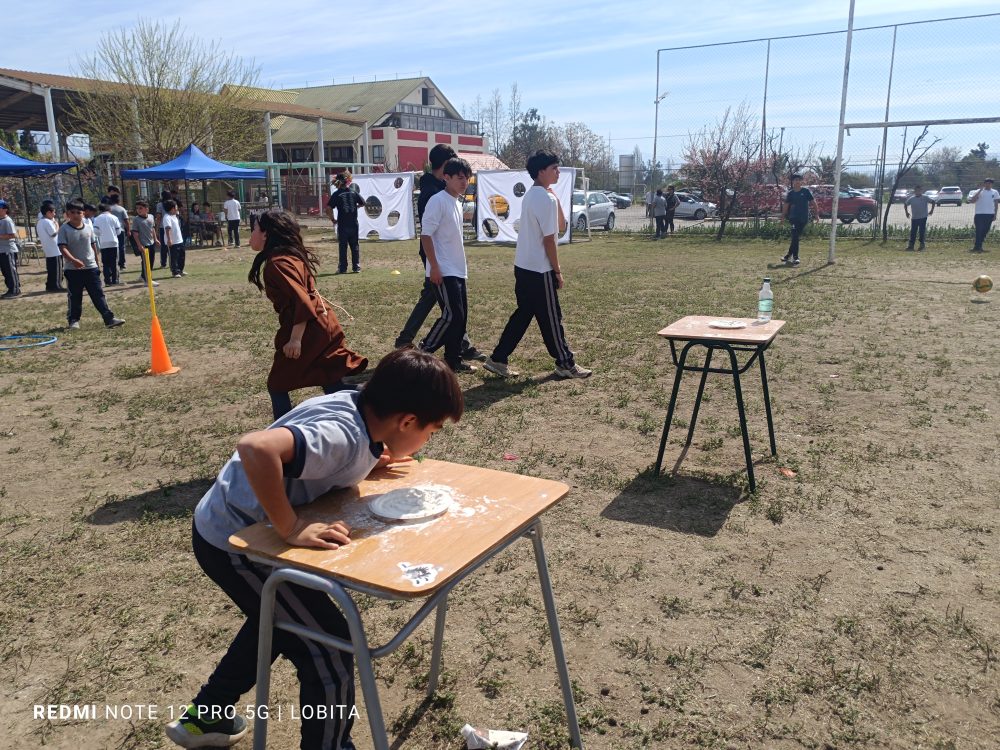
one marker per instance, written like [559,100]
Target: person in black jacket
[346,203]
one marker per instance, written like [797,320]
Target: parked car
[849,207]
[620,201]
[931,195]
[593,209]
[690,207]
[901,195]
[950,194]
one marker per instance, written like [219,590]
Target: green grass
[854,605]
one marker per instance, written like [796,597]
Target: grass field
[854,604]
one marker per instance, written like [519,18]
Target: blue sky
[595,62]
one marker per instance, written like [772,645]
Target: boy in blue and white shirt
[324,443]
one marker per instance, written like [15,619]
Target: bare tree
[156,89]
[582,147]
[725,160]
[908,158]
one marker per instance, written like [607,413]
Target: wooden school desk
[404,561]
[754,339]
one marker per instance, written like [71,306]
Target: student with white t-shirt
[232,208]
[537,274]
[986,200]
[47,230]
[446,269]
[108,228]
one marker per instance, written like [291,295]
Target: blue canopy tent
[12,165]
[193,164]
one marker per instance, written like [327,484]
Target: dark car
[620,201]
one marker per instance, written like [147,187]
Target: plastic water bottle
[765,301]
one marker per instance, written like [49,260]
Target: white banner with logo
[498,202]
[388,205]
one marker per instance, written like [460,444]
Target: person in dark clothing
[431,183]
[346,203]
[796,209]
[668,221]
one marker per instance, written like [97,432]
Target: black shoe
[464,367]
[10,295]
[356,269]
[473,355]
[339,271]
[400,343]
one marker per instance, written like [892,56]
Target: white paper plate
[412,504]
[728,324]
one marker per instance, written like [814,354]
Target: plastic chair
[27,247]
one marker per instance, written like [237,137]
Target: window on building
[339,153]
[427,97]
[378,154]
[302,154]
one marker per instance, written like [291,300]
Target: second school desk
[754,338]
[404,561]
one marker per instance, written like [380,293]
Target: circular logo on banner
[519,190]
[398,183]
[373,207]
[490,228]
[500,206]
[392,218]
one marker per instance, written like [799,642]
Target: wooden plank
[697,327]
[490,508]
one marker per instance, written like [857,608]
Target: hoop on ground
[33,340]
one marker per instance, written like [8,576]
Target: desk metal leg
[743,418]
[554,633]
[264,640]
[767,406]
[442,610]
[670,409]
[701,390]
[366,670]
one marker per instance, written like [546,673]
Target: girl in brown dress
[309,345]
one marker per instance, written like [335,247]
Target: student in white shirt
[107,227]
[986,200]
[537,274]
[232,208]
[47,230]
[446,269]
[174,238]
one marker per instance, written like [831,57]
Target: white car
[689,207]
[593,209]
[950,194]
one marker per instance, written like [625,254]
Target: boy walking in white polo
[446,269]
[537,274]
[986,199]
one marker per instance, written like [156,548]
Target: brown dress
[324,359]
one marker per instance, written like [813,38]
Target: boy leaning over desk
[324,443]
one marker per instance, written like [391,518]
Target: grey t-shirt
[659,206]
[80,243]
[918,206]
[145,226]
[120,213]
[8,247]
[332,449]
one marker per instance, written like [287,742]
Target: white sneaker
[75,325]
[574,372]
[183,273]
[501,369]
[177,275]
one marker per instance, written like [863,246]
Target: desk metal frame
[711,344]
[358,645]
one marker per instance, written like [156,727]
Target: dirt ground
[853,601]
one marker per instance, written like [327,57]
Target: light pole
[656,117]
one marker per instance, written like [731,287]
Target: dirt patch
[855,603]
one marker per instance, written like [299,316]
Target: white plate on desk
[727,324]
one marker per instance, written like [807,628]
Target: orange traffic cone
[161,357]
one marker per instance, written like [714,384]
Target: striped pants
[538,299]
[449,329]
[326,676]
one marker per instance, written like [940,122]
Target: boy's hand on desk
[319,534]
[387,458]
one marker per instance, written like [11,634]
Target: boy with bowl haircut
[77,245]
[144,238]
[446,268]
[324,443]
[538,275]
